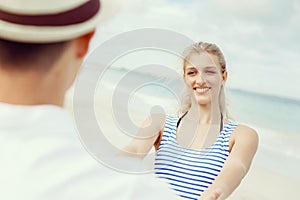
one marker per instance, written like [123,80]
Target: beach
[264,184]
[274,172]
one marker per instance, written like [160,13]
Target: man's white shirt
[41,157]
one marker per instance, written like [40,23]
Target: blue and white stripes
[189,172]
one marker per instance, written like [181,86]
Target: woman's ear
[224,77]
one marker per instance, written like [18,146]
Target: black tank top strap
[179,120]
[221,124]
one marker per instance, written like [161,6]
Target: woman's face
[203,77]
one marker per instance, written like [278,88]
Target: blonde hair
[213,49]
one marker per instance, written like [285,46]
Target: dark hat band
[76,15]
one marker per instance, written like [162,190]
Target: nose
[200,79]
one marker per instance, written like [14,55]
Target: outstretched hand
[212,196]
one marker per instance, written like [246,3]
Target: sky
[259,38]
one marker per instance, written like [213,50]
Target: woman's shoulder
[245,133]
[240,128]
[246,129]
[244,137]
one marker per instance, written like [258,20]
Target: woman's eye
[210,72]
[191,73]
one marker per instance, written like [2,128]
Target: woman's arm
[146,136]
[236,166]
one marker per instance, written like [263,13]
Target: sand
[264,184]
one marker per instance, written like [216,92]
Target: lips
[202,90]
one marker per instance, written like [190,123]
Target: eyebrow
[191,68]
[210,67]
[206,67]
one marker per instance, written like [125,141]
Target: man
[42,45]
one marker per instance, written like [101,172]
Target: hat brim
[38,34]
[48,34]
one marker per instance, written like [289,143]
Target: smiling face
[203,76]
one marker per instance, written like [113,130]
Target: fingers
[215,195]
[217,192]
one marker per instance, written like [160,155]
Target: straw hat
[41,21]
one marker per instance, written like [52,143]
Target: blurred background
[260,41]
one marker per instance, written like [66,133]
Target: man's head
[34,33]
[43,43]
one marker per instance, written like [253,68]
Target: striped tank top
[189,172]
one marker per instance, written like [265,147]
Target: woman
[200,152]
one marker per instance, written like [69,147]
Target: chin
[202,100]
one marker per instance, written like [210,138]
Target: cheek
[214,80]
[188,81]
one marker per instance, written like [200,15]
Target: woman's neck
[204,114]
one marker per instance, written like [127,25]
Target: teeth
[202,90]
